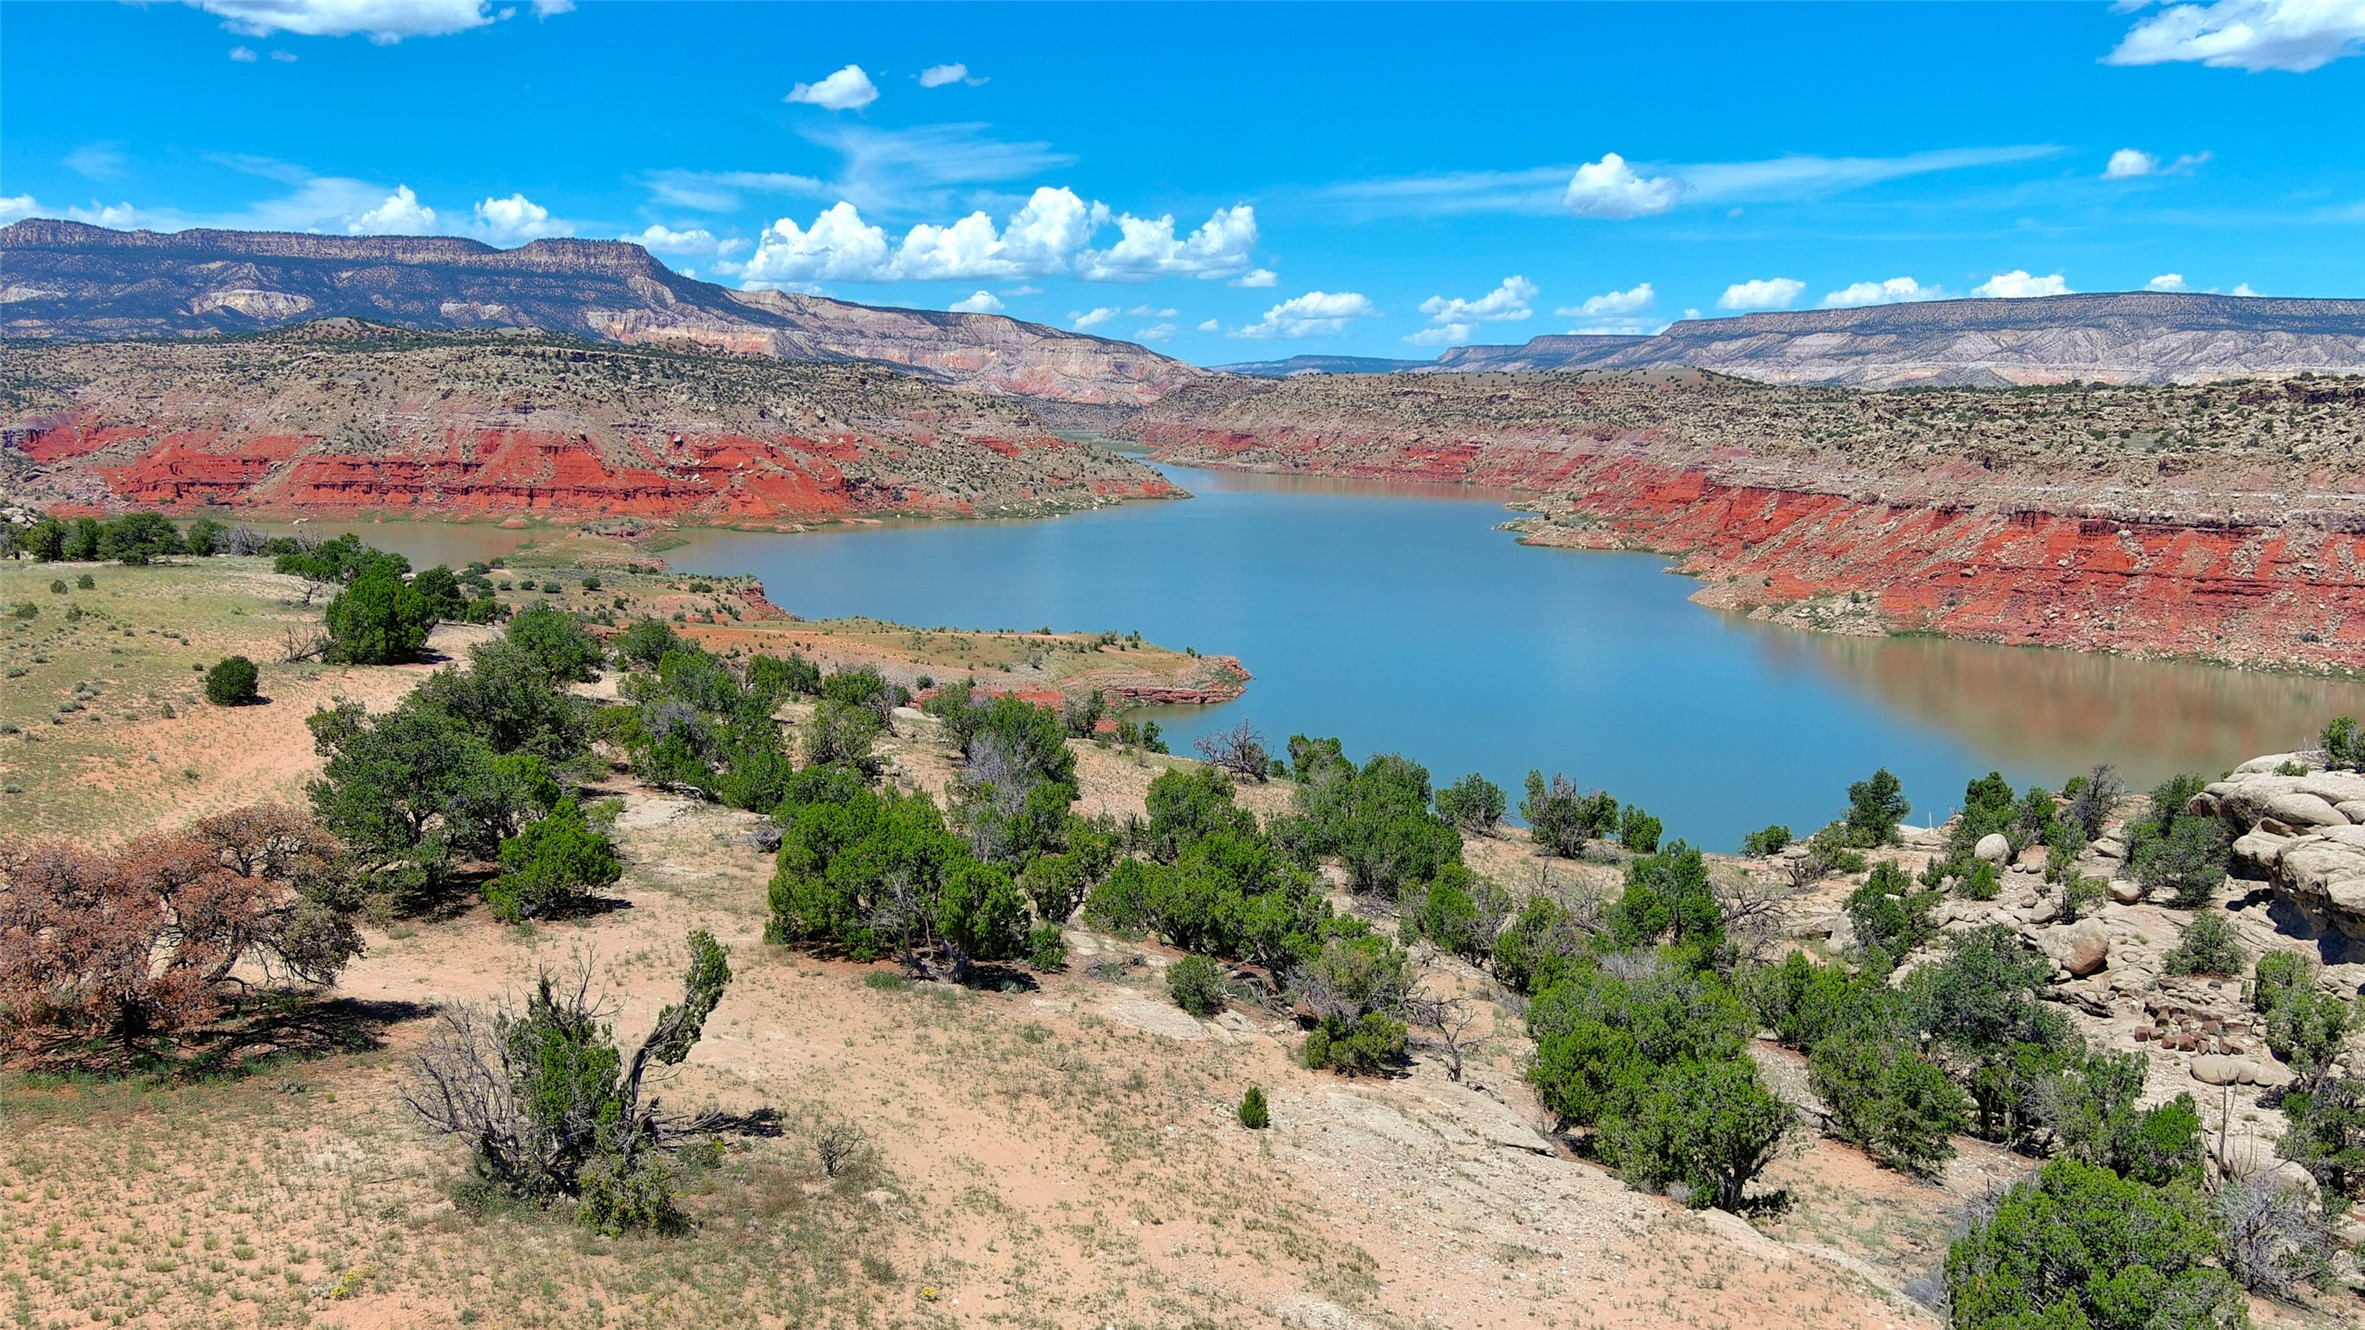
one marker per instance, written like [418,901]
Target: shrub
[1560,818]
[121,950]
[1254,1114]
[1046,947]
[2307,1029]
[1197,985]
[2187,863]
[1473,803]
[2080,1246]
[1979,882]
[231,683]
[1902,1108]
[2344,744]
[1876,805]
[2093,798]
[2327,1135]
[1461,913]
[2278,973]
[1638,831]
[57,586]
[1889,913]
[379,619]
[1706,1128]
[551,1108]
[2091,1107]
[2206,946]
[551,864]
[86,582]
[1365,1044]
[1667,899]
[1767,841]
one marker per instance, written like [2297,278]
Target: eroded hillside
[2220,520]
[350,418]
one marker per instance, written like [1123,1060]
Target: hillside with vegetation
[602,936]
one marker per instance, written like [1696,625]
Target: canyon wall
[2224,522]
[353,421]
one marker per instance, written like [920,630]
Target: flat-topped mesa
[326,418]
[2219,520]
[2122,337]
[69,282]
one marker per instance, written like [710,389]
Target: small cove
[1398,618]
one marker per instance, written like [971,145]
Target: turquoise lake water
[1399,619]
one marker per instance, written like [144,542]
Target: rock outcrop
[354,419]
[2302,834]
[70,282]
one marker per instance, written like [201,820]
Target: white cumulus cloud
[1894,291]
[697,243]
[2018,285]
[847,90]
[1762,293]
[382,21]
[2167,281]
[1092,318]
[2241,289]
[2291,35]
[1610,189]
[244,55]
[1257,278]
[983,302]
[2134,164]
[2128,163]
[1148,247]
[1451,334]
[1505,303]
[839,245]
[937,76]
[1314,314]
[1612,304]
[400,215]
[1050,235]
[1205,325]
[1156,332]
[516,220]
[17,207]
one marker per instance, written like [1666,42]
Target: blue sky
[1231,183]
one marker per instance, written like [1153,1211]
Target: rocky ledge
[2300,829]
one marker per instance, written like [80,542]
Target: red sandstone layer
[1810,551]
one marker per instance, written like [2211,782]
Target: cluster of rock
[2301,830]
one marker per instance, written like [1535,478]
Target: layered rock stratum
[2222,521]
[2127,337]
[338,417]
[63,281]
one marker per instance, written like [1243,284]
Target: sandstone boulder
[2256,854]
[2268,765]
[2125,890]
[2223,1069]
[2080,948]
[1993,847]
[2335,787]
[2300,835]
[2301,809]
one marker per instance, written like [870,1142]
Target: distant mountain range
[1282,369]
[63,281]
[2133,337]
